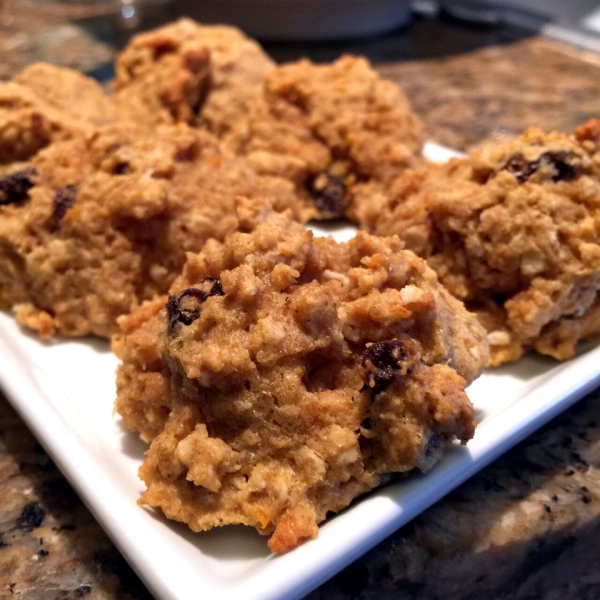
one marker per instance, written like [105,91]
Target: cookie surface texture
[331,129]
[92,226]
[206,76]
[513,231]
[292,374]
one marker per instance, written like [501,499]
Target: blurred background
[495,63]
[44,25]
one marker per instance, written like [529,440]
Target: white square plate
[65,390]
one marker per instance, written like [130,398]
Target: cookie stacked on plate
[278,376]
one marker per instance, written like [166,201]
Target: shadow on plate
[526,368]
[228,543]
[131,444]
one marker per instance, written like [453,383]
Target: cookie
[92,226]
[331,129]
[28,124]
[285,375]
[70,92]
[206,76]
[511,230]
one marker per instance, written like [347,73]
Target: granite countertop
[525,527]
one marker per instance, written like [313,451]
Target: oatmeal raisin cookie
[28,124]
[292,374]
[331,129]
[205,76]
[70,92]
[513,231]
[94,225]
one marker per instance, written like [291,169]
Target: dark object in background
[473,11]
[302,19]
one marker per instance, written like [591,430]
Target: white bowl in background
[302,19]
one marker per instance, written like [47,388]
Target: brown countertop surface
[525,527]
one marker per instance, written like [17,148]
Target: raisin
[329,194]
[161,46]
[433,445]
[179,314]
[187,154]
[560,160]
[197,60]
[63,200]
[384,361]
[121,168]
[31,516]
[14,188]
[198,63]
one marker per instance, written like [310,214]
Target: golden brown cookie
[70,92]
[331,129]
[92,226]
[296,373]
[28,123]
[205,76]
[513,231]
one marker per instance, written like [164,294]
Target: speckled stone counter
[50,545]
[524,528]
[498,91]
